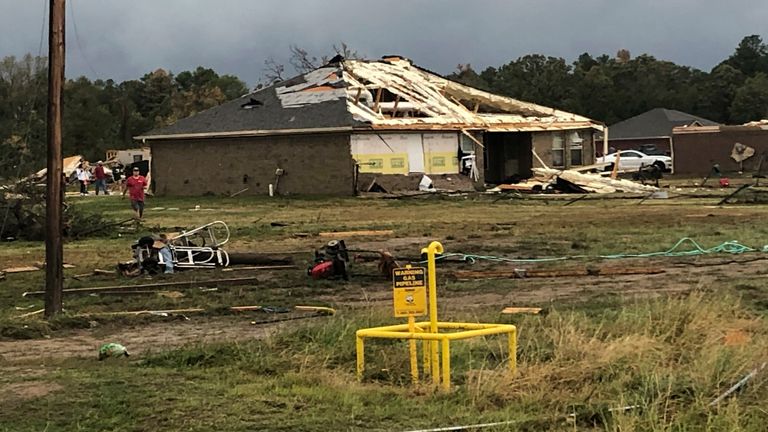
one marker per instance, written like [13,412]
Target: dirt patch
[27,390]
[138,340]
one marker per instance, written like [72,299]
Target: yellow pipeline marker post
[433,249]
[410,301]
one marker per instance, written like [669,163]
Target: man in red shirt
[101,178]
[135,185]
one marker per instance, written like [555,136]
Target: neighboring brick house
[652,129]
[698,148]
[336,129]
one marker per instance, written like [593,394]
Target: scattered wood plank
[274,267]
[356,233]
[597,166]
[524,274]
[316,309]
[29,314]
[521,310]
[142,312]
[734,193]
[543,165]
[238,193]
[21,269]
[179,284]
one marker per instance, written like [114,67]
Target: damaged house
[352,124]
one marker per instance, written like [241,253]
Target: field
[624,343]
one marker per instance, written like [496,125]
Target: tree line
[611,89]
[104,114]
[98,115]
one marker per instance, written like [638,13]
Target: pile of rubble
[575,181]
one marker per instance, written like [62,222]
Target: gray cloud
[124,40]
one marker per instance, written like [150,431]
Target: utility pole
[54,251]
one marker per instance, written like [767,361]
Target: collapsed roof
[362,95]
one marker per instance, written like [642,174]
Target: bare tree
[273,71]
[302,61]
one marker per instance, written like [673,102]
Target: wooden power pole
[54,251]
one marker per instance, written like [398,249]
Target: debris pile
[574,181]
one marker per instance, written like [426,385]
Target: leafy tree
[717,91]
[751,100]
[466,75]
[751,56]
[22,114]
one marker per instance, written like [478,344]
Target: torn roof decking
[348,96]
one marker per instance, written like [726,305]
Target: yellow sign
[410,291]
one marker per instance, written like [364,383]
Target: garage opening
[508,156]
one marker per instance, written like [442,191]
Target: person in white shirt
[82,177]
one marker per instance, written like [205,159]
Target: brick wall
[312,164]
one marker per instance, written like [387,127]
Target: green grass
[594,351]
[664,356]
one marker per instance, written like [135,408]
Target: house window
[397,163]
[558,150]
[138,158]
[438,161]
[576,152]
[576,148]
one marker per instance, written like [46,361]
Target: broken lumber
[142,312]
[21,269]
[274,267]
[524,274]
[238,193]
[29,314]
[317,309]
[356,233]
[595,183]
[521,310]
[738,385]
[734,193]
[256,259]
[181,284]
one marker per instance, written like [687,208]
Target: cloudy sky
[125,39]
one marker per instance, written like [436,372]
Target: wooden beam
[356,233]
[189,283]
[357,96]
[539,159]
[464,131]
[477,107]
[394,109]
[521,310]
[378,100]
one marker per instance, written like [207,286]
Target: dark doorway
[508,156]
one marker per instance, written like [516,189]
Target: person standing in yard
[101,178]
[135,185]
[82,177]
